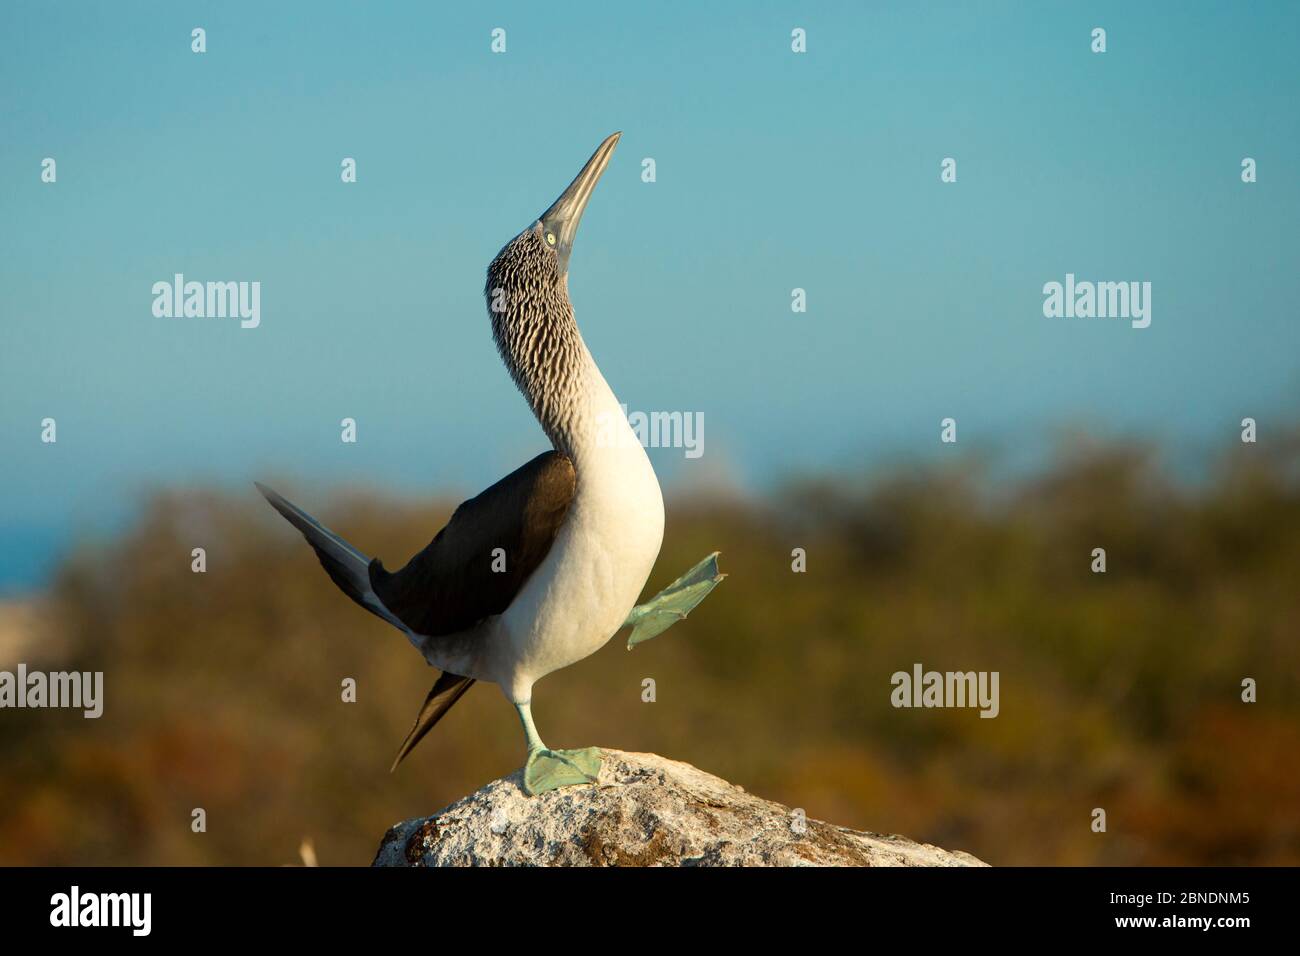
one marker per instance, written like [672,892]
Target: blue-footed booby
[579,526]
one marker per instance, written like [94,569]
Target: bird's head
[535,264]
[528,300]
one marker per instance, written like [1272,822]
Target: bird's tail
[350,570]
[446,691]
[347,567]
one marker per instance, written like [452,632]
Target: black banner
[306,905]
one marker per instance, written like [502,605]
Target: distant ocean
[29,556]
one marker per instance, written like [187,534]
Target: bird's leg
[551,769]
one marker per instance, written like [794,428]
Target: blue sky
[774,171]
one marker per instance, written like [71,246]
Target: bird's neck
[566,391]
[538,339]
[579,412]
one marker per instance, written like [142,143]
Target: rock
[644,811]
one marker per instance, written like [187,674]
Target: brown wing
[451,585]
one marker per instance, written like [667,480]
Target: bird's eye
[550,238]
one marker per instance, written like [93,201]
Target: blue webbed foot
[552,769]
[674,602]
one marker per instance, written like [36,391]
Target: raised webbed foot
[674,602]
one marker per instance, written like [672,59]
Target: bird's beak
[565,213]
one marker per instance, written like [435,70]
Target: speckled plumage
[535,331]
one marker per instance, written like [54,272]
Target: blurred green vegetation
[1118,690]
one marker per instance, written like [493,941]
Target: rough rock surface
[644,811]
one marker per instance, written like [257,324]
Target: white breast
[582,592]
